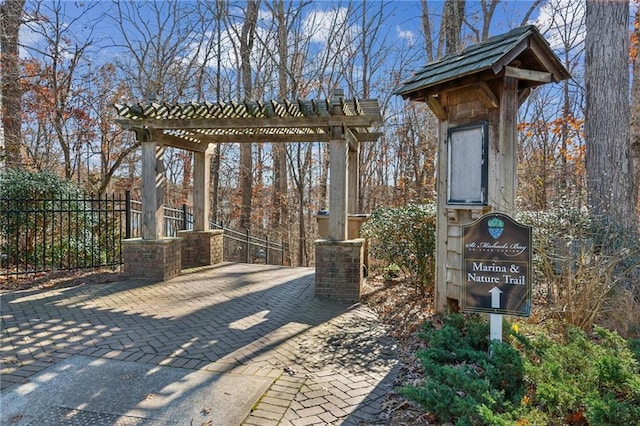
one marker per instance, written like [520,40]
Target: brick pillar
[201,248]
[339,272]
[152,260]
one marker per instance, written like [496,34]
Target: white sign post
[495,320]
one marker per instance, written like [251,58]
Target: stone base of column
[152,260]
[339,269]
[201,248]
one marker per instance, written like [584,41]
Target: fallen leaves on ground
[59,279]
[403,309]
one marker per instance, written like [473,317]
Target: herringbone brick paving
[331,363]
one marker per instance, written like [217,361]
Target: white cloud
[407,35]
[28,36]
[562,23]
[320,24]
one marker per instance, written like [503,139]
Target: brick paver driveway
[329,362]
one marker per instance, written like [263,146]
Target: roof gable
[491,56]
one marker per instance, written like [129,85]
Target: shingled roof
[521,47]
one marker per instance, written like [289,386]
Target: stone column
[339,271]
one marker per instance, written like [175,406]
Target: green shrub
[405,237]
[45,224]
[593,378]
[466,377]
[531,379]
[634,347]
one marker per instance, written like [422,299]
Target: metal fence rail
[244,248]
[86,232]
[48,233]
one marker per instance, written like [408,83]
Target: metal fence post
[127,215]
[184,217]
[247,252]
[266,251]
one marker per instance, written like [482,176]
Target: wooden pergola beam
[198,142]
[176,142]
[249,122]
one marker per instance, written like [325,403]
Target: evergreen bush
[45,223]
[533,379]
[404,238]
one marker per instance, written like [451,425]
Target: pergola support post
[201,179]
[201,246]
[153,182]
[353,174]
[152,257]
[340,260]
[338,189]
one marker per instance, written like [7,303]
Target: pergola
[197,127]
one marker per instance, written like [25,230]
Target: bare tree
[247,39]
[299,169]
[610,180]
[551,141]
[11,94]
[219,11]
[635,103]
[156,39]
[58,64]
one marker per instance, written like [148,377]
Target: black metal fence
[86,232]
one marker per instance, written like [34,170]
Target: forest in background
[72,61]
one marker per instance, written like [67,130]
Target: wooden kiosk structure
[475,95]
[196,127]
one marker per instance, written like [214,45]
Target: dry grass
[594,288]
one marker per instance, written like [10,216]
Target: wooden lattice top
[194,126]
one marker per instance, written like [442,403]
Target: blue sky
[401,27]
[404,20]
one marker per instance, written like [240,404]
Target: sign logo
[496,226]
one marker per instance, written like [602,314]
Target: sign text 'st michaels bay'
[497,266]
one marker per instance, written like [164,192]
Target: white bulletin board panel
[467,168]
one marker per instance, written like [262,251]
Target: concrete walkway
[232,345]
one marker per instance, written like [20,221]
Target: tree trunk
[451,26]
[610,181]
[426,28]
[279,189]
[11,95]
[635,105]
[246,152]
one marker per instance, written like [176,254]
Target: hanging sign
[496,266]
